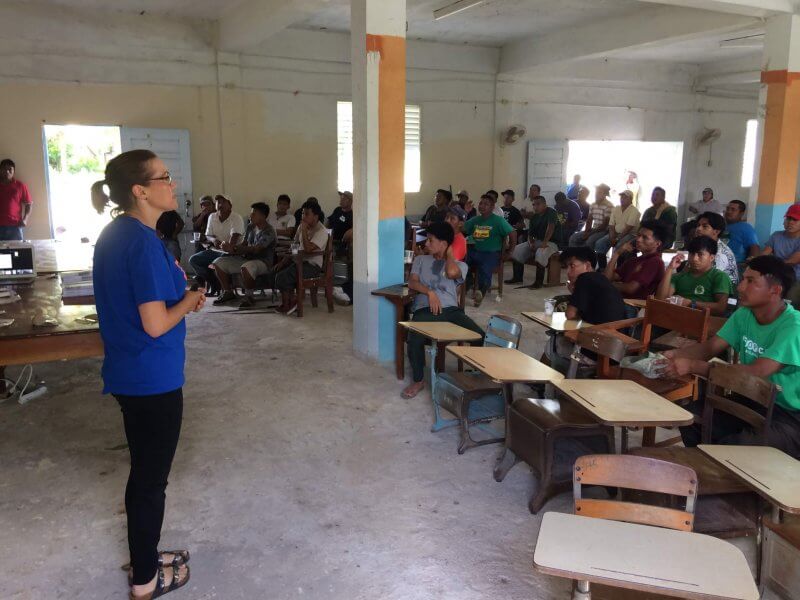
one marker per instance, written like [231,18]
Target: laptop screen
[16,261]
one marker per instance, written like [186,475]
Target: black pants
[152,426]
[783,433]
[416,342]
[286,278]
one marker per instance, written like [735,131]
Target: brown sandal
[179,557]
[161,584]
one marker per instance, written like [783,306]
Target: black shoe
[212,293]
[513,280]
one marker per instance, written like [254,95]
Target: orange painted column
[378,58]
[779,125]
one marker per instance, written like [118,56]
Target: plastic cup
[549,306]
[295,247]
[409,257]
[196,236]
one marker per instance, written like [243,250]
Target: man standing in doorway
[15,202]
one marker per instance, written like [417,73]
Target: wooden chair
[726,508]
[472,397]
[690,323]
[553,277]
[633,473]
[537,429]
[323,280]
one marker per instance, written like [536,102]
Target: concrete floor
[301,473]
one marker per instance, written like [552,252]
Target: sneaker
[340,297]
[225,297]
[247,302]
[478,298]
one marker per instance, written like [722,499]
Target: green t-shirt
[703,288]
[539,223]
[778,341]
[488,232]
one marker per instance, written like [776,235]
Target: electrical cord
[14,389]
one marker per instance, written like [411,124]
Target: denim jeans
[8,233]
[484,264]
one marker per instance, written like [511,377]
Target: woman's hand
[196,299]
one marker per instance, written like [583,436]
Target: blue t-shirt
[741,236]
[132,267]
[783,247]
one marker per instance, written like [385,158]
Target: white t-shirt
[283,222]
[499,211]
[319,237]
[223,230]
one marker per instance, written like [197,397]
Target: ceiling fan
[455,7]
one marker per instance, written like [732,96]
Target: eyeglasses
[167,178]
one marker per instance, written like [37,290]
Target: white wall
[265,123]
[625,100]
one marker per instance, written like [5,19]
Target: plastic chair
[472,397]
[537,428]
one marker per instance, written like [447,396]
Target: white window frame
[413,145]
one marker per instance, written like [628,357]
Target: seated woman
[701,284]
[436,276]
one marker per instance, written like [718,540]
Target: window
[749,158]
[344,136]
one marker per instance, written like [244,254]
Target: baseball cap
[224,197]
[794,212]
[627,193]
[463,193]
[458,211]
[708,189]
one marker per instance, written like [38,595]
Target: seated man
[224,226]
[298,214]
[622,227]
[569,215]
[742,238]
[281,219]
[713,225]
[456,217]
[313,238]
[492,235]
[341,220]
[437,277]
[765,332]
[639,277]
[786,246]
[438,210]
[252,257]
[598,216]
[168,228]
[200,220]
[663,212]
[544,235]
[593,299]
[701,284]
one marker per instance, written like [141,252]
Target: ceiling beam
[749,8]
[249,24]
[651,26]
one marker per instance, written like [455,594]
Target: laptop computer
[17,262]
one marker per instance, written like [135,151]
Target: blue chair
[471,396]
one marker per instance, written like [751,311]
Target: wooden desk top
[441,331]
[506,365]
[395,292]
[644,558]
[43,296]
[772,474]
[557,321]
[624,403]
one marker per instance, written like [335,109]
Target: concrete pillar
[779,124]
[378,59]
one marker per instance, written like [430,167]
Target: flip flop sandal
[179,557]
[161,585]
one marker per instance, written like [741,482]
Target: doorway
[76,158]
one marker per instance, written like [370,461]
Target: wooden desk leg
[648,437]
[400,341]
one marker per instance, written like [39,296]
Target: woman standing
[141,298]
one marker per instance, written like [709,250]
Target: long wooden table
[680,564]
[73,336]
[400,297]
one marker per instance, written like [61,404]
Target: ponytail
[122,173]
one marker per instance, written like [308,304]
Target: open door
[547,166]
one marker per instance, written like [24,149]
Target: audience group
[226,248]
[718,265]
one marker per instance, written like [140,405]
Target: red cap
[794,212]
